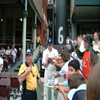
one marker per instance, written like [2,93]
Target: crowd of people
[13,51]
[79,62]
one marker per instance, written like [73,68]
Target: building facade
[84,17]
[11,20]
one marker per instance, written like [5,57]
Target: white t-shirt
[46,54]
[74,55]
[81,48]
[64,69]
[7,52]
[1,62]
[2,51]
[96,44]
[13,51]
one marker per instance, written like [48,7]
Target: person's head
[65,55]
[69,37]
[29,56]
[72,49]
[50,44]
[38,34]
[1,48]
[87,40]
[69,47]
[96,35]
[79,39]
[13,46]
[73,67]
[75,81]
[8,47]
[84,35]
[93,85]
[67,40]
[66,47]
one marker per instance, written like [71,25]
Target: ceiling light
[1,20]
[21,19]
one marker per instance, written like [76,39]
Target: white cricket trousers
[48,76]
[14,57]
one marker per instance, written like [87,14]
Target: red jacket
[86,64]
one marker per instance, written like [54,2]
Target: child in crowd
[65,56]
[76,83]
[73,67]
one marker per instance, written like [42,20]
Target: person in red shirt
[89,57]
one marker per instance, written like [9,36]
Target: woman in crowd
[8,50]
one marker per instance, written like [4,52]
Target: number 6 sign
[60,36]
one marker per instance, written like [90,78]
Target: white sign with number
[60,36]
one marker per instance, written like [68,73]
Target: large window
[29,28]
[19,30]
[9,30]
[1,31]
[88,27]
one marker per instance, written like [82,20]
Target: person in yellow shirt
[38,39]
[29,77]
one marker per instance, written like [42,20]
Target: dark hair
[65,55]
[75,80]
[72,48]
[75,64]
[97,33]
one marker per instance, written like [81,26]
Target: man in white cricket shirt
[50,69]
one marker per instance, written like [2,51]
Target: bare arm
[60,89]
[56,58]
[66,89]
[40,85]
[57,75]
[0,65]
[61,84]
[59,64]
[44,64]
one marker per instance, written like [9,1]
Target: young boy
[73,68]
[76,83]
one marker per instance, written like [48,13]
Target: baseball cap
[29,51]
[50,41]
